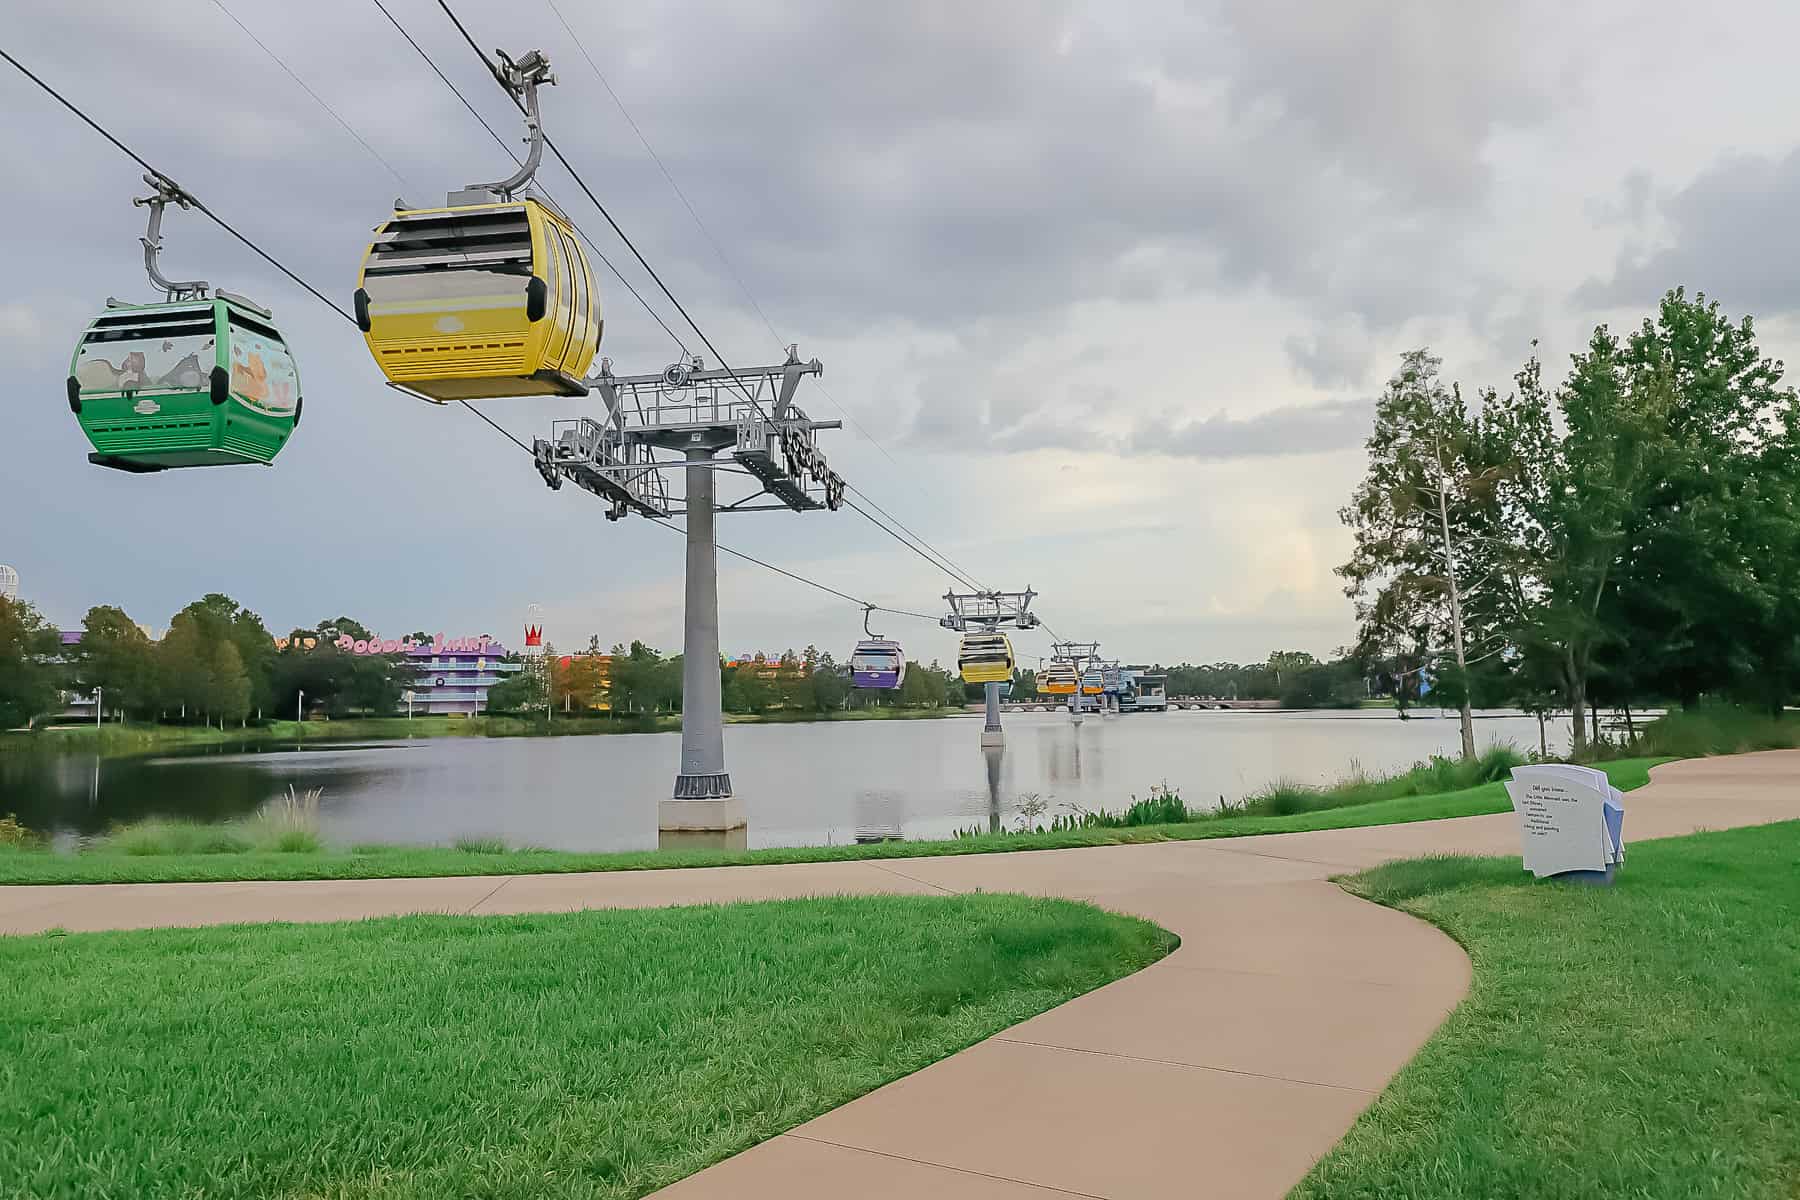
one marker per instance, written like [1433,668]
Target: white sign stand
[1571,821]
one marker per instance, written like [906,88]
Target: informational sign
[1570,819]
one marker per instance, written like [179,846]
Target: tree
[582,684]
[342,626]
[830,688]
[115,656]
[522,690]
[227,685]
[1421,520]
[336,680]
[31,671]
[1289,661]
[183,667]
[218,618]
[747,691]
[639,679]
[1701,590]
[1323,685]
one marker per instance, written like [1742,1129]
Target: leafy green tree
[1288,662]
[32,674]
[338,681]
[1323,685]
[115,656]
[1423,519]
[183,667]
[228,684]
[521,691]
[830,688]
[1696,591]
[344,626]
[747,691]
[638,679]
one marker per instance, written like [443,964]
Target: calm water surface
[801,784]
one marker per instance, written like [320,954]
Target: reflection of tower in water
[880,815]
[994,755]
[1072,754]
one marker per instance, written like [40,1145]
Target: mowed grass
[590,1054]
[1642,1040]
[181,863]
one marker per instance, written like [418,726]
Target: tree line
[1627,536]
[638,679]
[217,664]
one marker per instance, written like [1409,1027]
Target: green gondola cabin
[190,383]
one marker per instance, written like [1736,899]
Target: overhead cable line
[797,578]
[137,158]
[957,572]
[718,355]
[922,553]
[605,213]
[329,303]
[318,99]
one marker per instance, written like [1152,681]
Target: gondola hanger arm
[166,191]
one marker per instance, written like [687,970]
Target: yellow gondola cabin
[479,300]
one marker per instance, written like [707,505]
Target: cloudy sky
[1106,287]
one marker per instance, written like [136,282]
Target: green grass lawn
[584,1054]
[23,865]
[1642,1040]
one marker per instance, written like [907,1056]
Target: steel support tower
[987,612]
[1078,655]
[705,422]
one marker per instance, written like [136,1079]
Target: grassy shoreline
[37,866]
[138,738]
[1636,1040]
[593,1054]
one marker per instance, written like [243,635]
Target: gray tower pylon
[988,612]
[703,421]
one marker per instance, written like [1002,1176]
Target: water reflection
[995,757]
[801,784]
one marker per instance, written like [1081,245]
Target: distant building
[9,582]
[451,676]
[769,666]
[76,707]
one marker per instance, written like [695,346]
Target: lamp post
[300,708]
[99,694]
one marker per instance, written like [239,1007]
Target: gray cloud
[1330,358]
[1732,235]
[1292,429]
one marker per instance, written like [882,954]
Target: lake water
[801,784]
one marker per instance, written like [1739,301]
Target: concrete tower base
[716,815]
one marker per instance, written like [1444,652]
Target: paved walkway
[1224,1070]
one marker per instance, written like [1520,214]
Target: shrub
[1431,777]
[13,834]
[1712,728]
[289,823]
[158,836]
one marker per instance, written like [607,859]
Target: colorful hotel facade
[451,676]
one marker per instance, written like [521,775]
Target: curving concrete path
[1226,1069]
